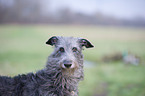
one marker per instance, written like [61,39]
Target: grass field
[23,50]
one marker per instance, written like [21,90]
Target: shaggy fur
[60,77]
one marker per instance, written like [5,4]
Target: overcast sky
[120,8]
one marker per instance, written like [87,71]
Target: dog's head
[68,51]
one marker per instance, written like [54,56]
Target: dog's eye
[74,49]
[61,49]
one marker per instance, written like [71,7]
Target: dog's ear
[86,43]
[52,41]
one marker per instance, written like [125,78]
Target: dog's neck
[61,84]
[68,84]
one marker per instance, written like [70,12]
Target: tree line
[33,12]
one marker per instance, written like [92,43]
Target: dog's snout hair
[60,77]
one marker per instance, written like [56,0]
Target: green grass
[23,50]
[114,80]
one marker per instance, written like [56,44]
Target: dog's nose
[67,65]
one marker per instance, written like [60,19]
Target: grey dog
[60,77]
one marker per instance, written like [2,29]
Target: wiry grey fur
[56,79]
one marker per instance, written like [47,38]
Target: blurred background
[115,67]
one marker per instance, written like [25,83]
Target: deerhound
[60,77]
